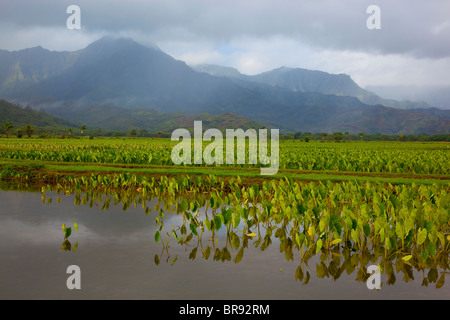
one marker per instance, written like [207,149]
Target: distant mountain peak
[109,43]
[216,70]
[32,50]
[108,40]
[36,48]
[284,69]
[113,42]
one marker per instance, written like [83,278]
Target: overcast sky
[411,48]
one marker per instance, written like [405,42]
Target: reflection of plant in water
[347,225]
[339,258]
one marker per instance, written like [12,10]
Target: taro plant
[68,230]
[66,245]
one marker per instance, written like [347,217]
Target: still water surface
[116,254]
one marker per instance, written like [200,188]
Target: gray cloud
[250,34]
[416,27]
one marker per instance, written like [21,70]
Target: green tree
[82,128]
[337,136]
[69,132]
[7,127]
[323,135]
[133,133]
[346,134]
[28,130]
[143,133]
[361,135]
[298,135]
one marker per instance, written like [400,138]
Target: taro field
[348,204]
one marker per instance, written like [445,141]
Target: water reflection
[207,232]
[67,246]
[135,245]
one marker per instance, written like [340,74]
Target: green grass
[52,169]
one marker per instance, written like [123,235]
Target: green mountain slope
[24,68]
[20,117]
[111,117]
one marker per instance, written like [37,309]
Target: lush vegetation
[18,121]
[359,157]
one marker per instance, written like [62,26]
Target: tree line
[347,136]
[8,127]
[9,130]
[28,130]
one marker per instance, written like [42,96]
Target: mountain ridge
[123,73]
[306,80]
